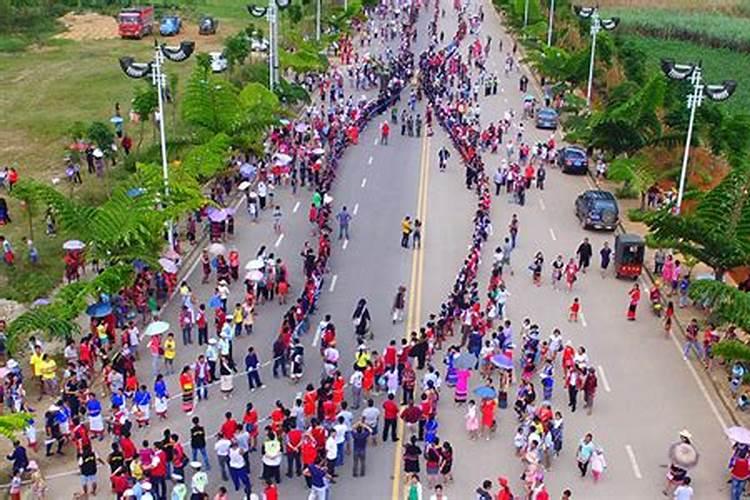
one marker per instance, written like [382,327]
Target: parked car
[208,26]
[597,209]
[170,25]
[219,63]
[573,160]
[547,118]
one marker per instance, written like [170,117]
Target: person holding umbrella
[683,456]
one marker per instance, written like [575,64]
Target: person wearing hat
[505,492]
[199,483]
[179,490]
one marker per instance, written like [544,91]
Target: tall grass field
[718,64]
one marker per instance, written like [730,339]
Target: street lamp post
[526,14]
[271,12]
[694,74]
[597,24]
[158,79]
[317,20]
[551,21]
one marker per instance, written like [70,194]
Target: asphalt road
[647,393]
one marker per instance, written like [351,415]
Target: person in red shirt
[250,420]
[277,417]
[390,418]
[488,416]
[310,402]
[128,448]
[158,472]
[330,409]
[271,491]
[229,427]
[318,433]
[120,482]
[293,438]
[389,356]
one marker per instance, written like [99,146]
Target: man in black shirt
[87,465]
[198,443]
[116,459]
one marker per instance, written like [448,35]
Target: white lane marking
[346,244]
[364,181]
[701,385]
[356,209]
[369,160]
[375,143]
[296,207]
[505,100]
[502,89]
[605,382]
[633,461]
[583,320]
[541,204]
[552,234]
[279,239]
[333,282]
[316,338]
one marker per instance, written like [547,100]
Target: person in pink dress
[461,390]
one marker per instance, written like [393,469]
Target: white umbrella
[284,121]
[254,275]
[327,199]
[243,185]
[156,328]
[318,151]
[98,153]
[254,265]
[282,158]
[168,265]
[74,245]
[300,127]
[217,249]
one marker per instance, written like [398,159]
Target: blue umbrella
[214,302]
[485,392]
[502,361]
[99,310]
[465,361]
[40,302]
[247,171]
[135,192]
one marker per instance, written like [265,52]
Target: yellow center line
[415,294]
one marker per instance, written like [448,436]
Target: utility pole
[597,24]
[551,22]
[158,79]
[694,74]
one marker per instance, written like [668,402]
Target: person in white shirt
[332,450]
[240,474]
[684,491]
[221,447]
[355,382]
[340,428]
[371,416]
[438,495]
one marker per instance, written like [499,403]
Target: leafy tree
[145,101]
[627,125]
[728,304]
[204,161]
[717,231]
[12,424]
[633,60]
[236,50]
[635,173]
[210,103]
[102,135]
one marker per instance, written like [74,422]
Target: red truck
[136,22]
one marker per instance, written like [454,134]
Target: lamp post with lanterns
[271,12]
[720,92]
[153,69]
[597,24]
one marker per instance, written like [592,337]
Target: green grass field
[46,88]
[718,64]
[711,29]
